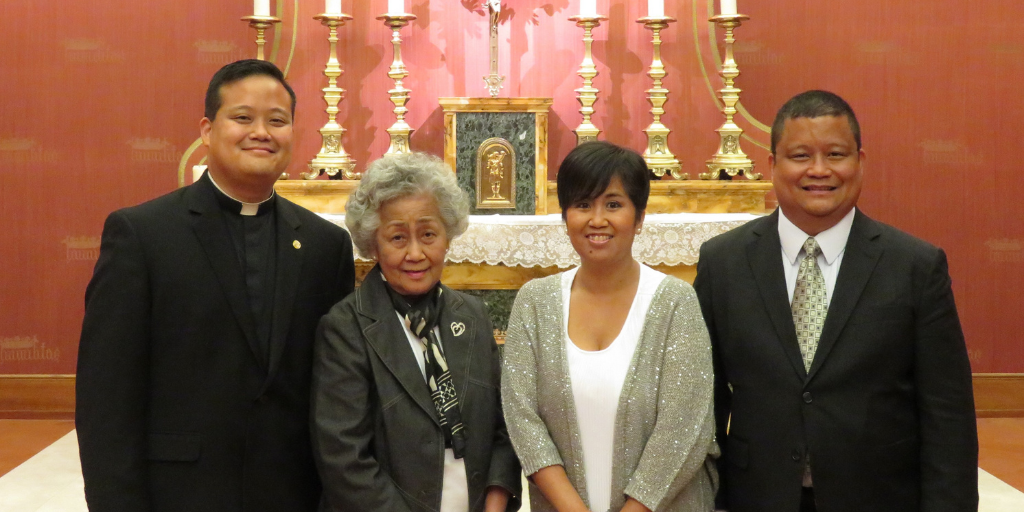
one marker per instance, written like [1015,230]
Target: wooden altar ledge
[697,196]
[667,196]
[320,196]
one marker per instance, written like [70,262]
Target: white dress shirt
[832,242]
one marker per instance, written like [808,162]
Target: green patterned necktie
[810,302]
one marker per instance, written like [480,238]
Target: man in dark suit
[842,380]
[195,358]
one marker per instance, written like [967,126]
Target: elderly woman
[607,382]
[406,404]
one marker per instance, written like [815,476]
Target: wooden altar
[667,196]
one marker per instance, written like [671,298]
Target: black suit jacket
[376,434]
[886,411]
[176,411]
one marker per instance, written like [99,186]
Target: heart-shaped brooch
[458,328]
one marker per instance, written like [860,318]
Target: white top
[454,486]
[832,242]
[597,378]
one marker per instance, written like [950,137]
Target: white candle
[728,7]
[396,6]
[261,8]
[588,7]
[655,8]
[332,7]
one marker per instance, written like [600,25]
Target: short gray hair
[396,176]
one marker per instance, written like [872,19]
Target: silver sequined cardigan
[664,425]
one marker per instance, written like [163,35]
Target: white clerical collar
[832,241]
[248,209]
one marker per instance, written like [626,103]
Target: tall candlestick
[587,94]
[396,6]
[655,8]
[728,7]
[332,158]
[588,7]
[400,131]
[332,7]
[658,156]
[730,160]
[261,8]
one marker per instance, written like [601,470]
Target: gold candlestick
[587,95]
[332,156]
[261,24]
[400,131]
[658,156]
[729,158]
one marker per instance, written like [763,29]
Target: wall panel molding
[996,395]
[999,395]
[37,396]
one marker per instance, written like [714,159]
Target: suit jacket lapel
[213,235]
[859,260]
[386,336]
[288,266]
[764,253]
[457,347]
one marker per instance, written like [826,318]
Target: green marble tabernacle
[498,304]
[519,129]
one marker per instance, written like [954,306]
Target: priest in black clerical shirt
[195,356]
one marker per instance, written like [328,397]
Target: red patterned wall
[103,102]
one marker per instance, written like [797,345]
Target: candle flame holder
[261,24]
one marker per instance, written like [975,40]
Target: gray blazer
[664,427]
[377,440]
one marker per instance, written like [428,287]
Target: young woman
[607,379]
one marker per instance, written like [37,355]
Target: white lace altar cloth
[541,240]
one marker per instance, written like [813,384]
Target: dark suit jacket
[175,409]
[376,434]
[886,411]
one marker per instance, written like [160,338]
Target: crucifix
[493,81]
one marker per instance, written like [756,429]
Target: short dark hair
[589,168]
[814,104]
[236,71]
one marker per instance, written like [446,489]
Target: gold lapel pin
[296,244]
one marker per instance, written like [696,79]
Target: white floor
[52,482]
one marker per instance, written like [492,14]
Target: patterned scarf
[421,319]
